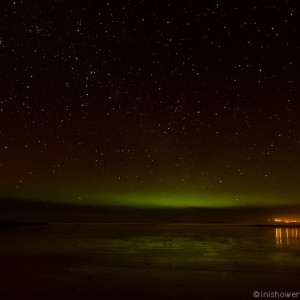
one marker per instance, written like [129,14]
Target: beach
[147,261]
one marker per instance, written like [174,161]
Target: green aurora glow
[178,199]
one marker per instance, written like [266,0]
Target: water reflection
[286,235]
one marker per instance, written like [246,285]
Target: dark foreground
[124,261]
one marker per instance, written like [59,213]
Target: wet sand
[127,261]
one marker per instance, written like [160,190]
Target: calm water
[183,258]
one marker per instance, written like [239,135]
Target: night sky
[170,103]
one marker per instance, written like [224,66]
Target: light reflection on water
[168,247]
[285,236]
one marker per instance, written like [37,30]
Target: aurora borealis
[150,103]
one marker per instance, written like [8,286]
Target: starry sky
[171,103]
